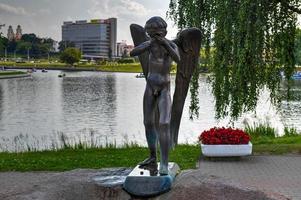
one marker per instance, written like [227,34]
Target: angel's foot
[163,170]
[148,161]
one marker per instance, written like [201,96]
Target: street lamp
[27,54]
[5,59]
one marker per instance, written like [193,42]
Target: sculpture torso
[157,98]
[159,67]
[156,54]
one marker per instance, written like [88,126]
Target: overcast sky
[45,17]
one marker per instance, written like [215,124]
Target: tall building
[124,49]
[10,33]
[18,33]
[96,39]
[121,48]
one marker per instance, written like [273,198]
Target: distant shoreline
[129,68]
[13,74]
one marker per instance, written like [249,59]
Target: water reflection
[89,102]
[106,107]
[1,102]
[291,110]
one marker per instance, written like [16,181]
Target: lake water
[105,106]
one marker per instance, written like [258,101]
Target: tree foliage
[64,45]
[70,55]
[37,47]
[253,42]
[3,44]
[298,47]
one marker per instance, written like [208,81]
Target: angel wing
[139,36]
[189,43]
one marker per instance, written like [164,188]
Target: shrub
[290,131]
[261,130]
[126,60]
[70,56]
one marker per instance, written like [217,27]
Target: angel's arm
[140,49]
[172,49]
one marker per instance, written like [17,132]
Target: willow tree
[252,42]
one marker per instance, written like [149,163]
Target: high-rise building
[121,48]
[96,39]
[124,49]
[10,33]
[18,33]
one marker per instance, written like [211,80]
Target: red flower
[224,136]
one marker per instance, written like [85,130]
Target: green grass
[68,159]
[276,149]
[93,153]
[135,67]
[27,64]
[10,73]
[110,67]
[262,130]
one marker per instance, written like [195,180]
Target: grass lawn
[135,67]
[185,155]
[280,145]
[9,73]
[67,159]
[110,67]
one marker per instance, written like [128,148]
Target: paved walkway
[274,174]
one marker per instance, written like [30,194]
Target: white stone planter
[226,150]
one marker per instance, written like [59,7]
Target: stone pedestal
[147,182]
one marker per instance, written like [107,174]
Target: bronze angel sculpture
[161,116]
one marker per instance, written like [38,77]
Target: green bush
[70,56]
[290,131]
[126,60]
[261,130]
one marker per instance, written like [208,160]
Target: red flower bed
[224,136]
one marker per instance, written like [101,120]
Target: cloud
[135,7]
[45,11]
[116,8]
[13,10]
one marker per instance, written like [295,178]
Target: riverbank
[13,74]
[110,67]
[186,156]
[93,158]
[133,68]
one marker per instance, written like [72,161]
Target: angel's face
[156,32]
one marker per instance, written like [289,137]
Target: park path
[272,174]
[249,178]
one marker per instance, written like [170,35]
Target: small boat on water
[44,70]
[141,75]
[61,75]
[31,70]
[297,75]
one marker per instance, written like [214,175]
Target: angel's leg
[149,105]
[164,128]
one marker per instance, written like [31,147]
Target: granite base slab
[146,182]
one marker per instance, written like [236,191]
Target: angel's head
[156,26]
